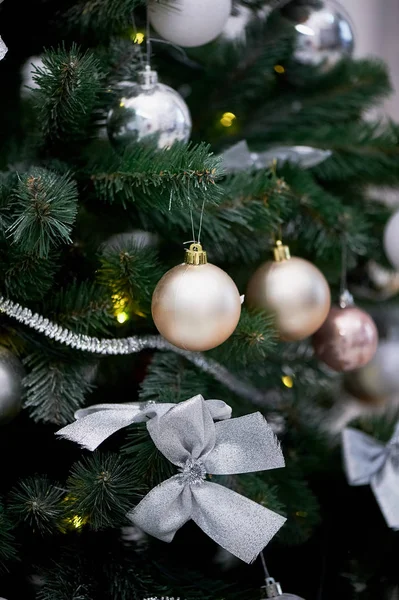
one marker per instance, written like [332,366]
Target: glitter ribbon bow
[188,437]
[368,462]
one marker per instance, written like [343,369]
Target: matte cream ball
[189,23]
[196,306]
[294,291]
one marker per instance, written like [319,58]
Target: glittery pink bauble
[347,340]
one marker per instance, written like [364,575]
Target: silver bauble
[11,374]
[273,590]
[391,240]
[379,379]
[325,37]
[151,112]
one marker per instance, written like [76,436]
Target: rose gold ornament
[196,306]
[292,289]
[348,339]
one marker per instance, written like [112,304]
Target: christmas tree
[233,149]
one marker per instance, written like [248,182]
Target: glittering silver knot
[193,472]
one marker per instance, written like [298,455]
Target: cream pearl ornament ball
[196,306]
[189,23]
[391,240]
[294,291]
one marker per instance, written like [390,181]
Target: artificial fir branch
[37,502]
[44,207]
[102,490]
[131,273]
[181,175]
[69,85]
[56,387]
[8,550]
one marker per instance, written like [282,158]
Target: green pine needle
[69,85]
[44,210]
[130,272]
[56,387]
[181,176]
[102,490]
[38,502]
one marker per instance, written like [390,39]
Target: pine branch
[170,379]
[102,490]
[27,277]
[37,502]
[102,17]
[44,210]
[252,341]
[7,548]
[130,272]
[54,388]
[182,175]
[84,306]
[69,85]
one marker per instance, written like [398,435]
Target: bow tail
[165,509]
[385,485]
[363,456]
[236,523]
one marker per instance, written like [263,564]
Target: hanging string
[147,36]
[265,569]
[345,297]
[201,219]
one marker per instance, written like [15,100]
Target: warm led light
[227,119]
[138,38]
[122,317]
[75,522]
[287,381]
[279,69]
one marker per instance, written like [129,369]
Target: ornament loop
[195,255]
[281,252]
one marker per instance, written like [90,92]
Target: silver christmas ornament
[325,36]
[149,111]
[3,49]
[273,590]
[11,373]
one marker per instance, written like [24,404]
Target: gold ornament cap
[281,252]
[195,255]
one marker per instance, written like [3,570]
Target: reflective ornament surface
[325,36]
[295,292]
[189,23]
[378,381]
[196,306]
[11,374]
[391,240]
[151,112]
[347,340]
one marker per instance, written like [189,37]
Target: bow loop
[370,462]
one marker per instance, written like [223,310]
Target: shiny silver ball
[149,112]
[11,374]
[325,36]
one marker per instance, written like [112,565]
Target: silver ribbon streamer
[368,462]
[189,438]
[3,49]
[187,435]
[97,423]
[240,158]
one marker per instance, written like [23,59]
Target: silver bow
[370,462]
[240,158]
[97,423]
[188,437]
[3,52]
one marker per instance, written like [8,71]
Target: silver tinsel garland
[129,345]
